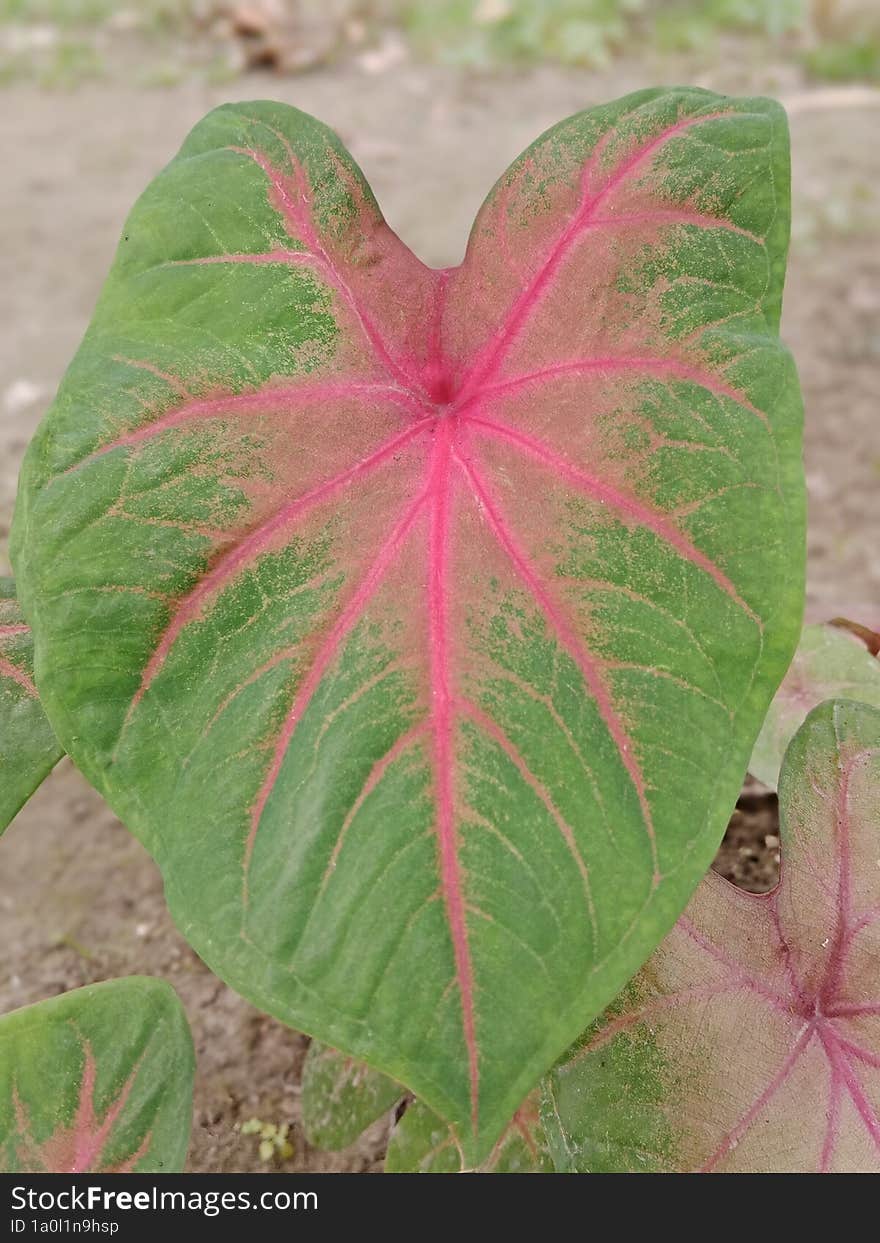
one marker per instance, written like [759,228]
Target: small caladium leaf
[750,1041]
[421,622]
[98,1080]
[341,1097]
[422,1143]
[830,663]
[28,747]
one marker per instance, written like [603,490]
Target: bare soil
[79,899]
[749,855]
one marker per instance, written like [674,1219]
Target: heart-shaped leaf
[830,663]
[28,747]
[341,1097]
[422,1143]
[98,1080]
[421,623]
[750,1041]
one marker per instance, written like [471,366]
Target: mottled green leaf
[750,1041]
[421,623]
[28,747]
[98,1080]
[422,1143]
[341,1097]
[830,663]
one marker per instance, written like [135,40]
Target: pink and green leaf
[422,1143]
[341,1097]
[421,623]
[750,1041]
[98,1080]
[28,747]
[831,662]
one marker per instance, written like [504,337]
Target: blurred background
[434,98]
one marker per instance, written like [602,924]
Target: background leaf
[421,623]
[28,747]
[97,1080]
[422,1143]
[829,663]
[341,1097]
[750,1041]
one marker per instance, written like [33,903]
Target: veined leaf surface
[830,663]
[98,1080]
[28,747]
[421,622]
[750,1041]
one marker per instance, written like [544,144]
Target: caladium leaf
[28,747]
[341,1097]
[750,1041]
[422,1143]
[421,623]
[98,1080]
[829,663]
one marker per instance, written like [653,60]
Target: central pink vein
[442,731]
